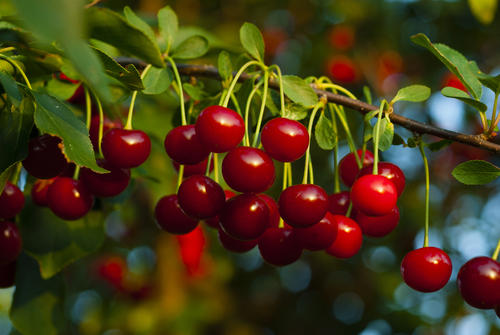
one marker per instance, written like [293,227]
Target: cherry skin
[126,148]
[390,171]
[39,191]
[107,124]
[274,214]
[284,140]
[183,145]
[105,184]
[171,218]
[247,169]
[374,195]
[78,97]
[235,245]
[215,221]
[338,203]
[45,159]
[279,246]
[479,282]
[349,238]
[342,69]
[7,275]
[10,242]
[11,201]
[69,199]
[378,226]
[192,169]
[303,205]
[426,269]
[245,217]
[348,169]
[320,235]
[220,129]
[201,197]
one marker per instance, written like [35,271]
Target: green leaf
[438,145]
[195,92]
[54,117]
[298,91]
[168,23]
[413,93]
[193,47]
[386,134]
[412,143]
[62,90]
[475,172]
[483,10]
[492,82]
[324,133]
[225,66]
[368,94]
[157,80]
[370,115]
[128,76]
[452,92]
[5,176]
[397,140]
[139,23]
[295,111]
[10,86]
[252,40]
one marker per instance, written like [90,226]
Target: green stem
[496,252]
[209,162]
[181,93]
[336,176]
[128,125]
[377,138]
[350,140]
[216,167]
[247,112]
[76,174]
[339,88]
[289,172]
[349,210]
[88,107]
[262,109]
[222,96]
[236,103]
[285,175]
[237,76]
[18,68]
[309,130]
[311,172]
[427,187]
[282,93]
[180,176]
[7,49]
[494,118]
[101,123]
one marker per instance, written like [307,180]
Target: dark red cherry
[126,148]
[201,197]
[479,282]
[220,129]
[378,226]
[7,275]
[388,170]
[45,159]
[318,236]
[78,96]
[338,203]
[214,221]
[247,169]
[245,217]
[171,218]
[105,184]
[284,140]
[348,169]
[274,214]
[192,169]
[374,195]
[303,205]
[69,199]
[235,245]
[426,269]
[349,238]
[39,191]
[183,146]
[279,246]
[11,201]
[10,242]
[107,124]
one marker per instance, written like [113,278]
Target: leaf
[128,76]
[252,40]
[61,89]
[295,111]
[5,176]
[492,82]
[157,80]
[298,91]
[413,93]
[368,94]
[168,23]
[452,92]
[386,134]
[225,66]
[10,86]
[475,172]
[370,115]
[324,133]
[194,92]
[438,145]
[139,23]
[412,143]
[397,140]
[483,10]
[193,47]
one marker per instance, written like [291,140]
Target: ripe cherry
[348,169]
[45,159]
[426,269]
[374,195]
[7,275]
[107,124]
[318,236]
[378,226]
[183,146]
[126,148]
[274,214]
[279,246]
[342,70]
[220,129]
[338,203]
[247,169]
[39,191]
[192,169]
[10,242]
[105,184]
[235,245]
[69,199]
[479,282]
[303,205]
[349,238]
[388,170]
[171,218]
[11,201]
[201,197]
[78,96]
[342,37]
[215,221]
[284,140]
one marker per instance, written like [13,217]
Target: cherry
[426,269]
[245,217]
[192,169]
[247,169]
[214,221]
[452,81]
[171,218]
[342,37]
[303,205]
[479,282]
[279,246]
[39,191]
[235,245]
[284,140]
[349,238]
[342,69]
[220,129]
[126,148]
[45,159]
[318,236]
[10,242]
[348,169]
[374,195]
[378,226]
[201,197]
[112,269]
[107,124]
[105,184]
[274,214]
[183,146]
[69,199]
[388,170]
[11,201]
[78,96]
[338,203]
[7,275]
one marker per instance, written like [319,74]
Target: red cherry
[11,201]
[349,238]
[192,169]
[45,159]
[342,37]
[69,199]
[39,191]
[284,140]
[171,218]
[318,236]
[374,195]
[348,169]
[235,245]
[388,170]
[303,205]
[378,226]
[279,246]
[105,184]
[126,148]
[201,197]
[247,169]
[10,242]
[107,124]
[214,221]
[113,269]
[426,269]
[479,282]
[183,146]
[7,275]
[342,69]
[452,81]
[338,203]
[245,217]
[78,96]
[220,129]
[274,213]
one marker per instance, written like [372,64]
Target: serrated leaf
[386,129]
[10,86]
[252,40]
[475,172]
[452,92]
[225,66]
[438,145]
[298,91]
[192,47]
[483,10]
[324,133]
[295,111]
[128,76]
[139,23]
[194,92]
[157,80]
[413,93]
[169,24]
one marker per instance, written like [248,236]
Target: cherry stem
[311,172]
[236,103]
[128,125]
[427,187]
[319,105]
[350,141]
[237,76]
[377,137]
[181,92]
[496,252]
[18,68]
[494,118]
[88,107]
[222,96]
[180,176]
[349,210]
[280,81]
[216,167]
[336,178]
[289,172]
[101,122]
[262,109]
[338,88]
[285,175]
[209,162]
[247,111]
[76,174]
